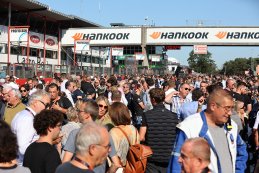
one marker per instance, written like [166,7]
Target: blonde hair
[72,114]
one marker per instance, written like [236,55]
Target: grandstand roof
[43,10]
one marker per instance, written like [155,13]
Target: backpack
[253,114]
[137,156]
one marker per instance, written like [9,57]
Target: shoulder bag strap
[124,134]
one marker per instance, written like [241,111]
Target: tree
[238,66]
[202,63]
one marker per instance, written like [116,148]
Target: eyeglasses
[226,108]
[23,91]
[187,89]
[106,147]
[102,106]
[45,104]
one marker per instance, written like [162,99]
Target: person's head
[184,90]
[116,96]
[126,88]
[8,143]
[195,155]
[48,122]
[92,142]
[230,83]
[157,95]
[203,86]
[24,89]
[39,101]
[103,104]
[70,85]
[197,95]
[53,90]
[220,106]
[112,81]
[6,89]
[14,97]
[150,82]
[63,76]
[241,88]
[119,114]
[30,83]
[72,114]
[171,83]
[240,107]
[96,83]
[7,79]
[88,111]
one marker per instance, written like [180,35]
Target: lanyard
[82,162]
[29,111]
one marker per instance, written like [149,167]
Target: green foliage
[238,66]
[202,63]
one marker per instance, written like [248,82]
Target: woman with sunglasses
[24,89]
[104,118]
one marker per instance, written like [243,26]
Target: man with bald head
[195,156]
[228,151]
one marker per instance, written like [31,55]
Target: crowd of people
[193,124]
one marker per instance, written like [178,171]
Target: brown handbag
[137,156]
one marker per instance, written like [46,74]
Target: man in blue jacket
[228,151]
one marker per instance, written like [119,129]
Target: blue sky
[171,13]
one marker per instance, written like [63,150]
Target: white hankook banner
[112,36]
[203,35]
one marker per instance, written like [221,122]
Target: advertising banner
[3,34]
[19,34]
[203,36]
[117,51]
[51,43]
[200,49]
[108,36]
[82,45]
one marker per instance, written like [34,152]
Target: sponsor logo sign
[50,42]
[35,39]
[109,36]
[200,49]
[19,34]
[117,51]
[200,35]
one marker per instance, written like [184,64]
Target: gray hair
[7,87]
[89,134]
[38,95]
[16,93]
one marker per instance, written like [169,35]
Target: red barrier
[23,81]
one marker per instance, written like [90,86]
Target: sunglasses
[23,91]
[187,89]
[45,104]
[102,106]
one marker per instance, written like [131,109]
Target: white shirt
[22,126]
[170,90]
[62,85]
[33,90]
[256,121]
[69,96]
